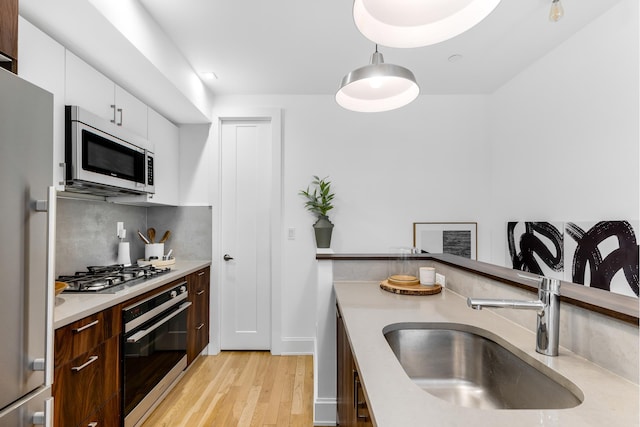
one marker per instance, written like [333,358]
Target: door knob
[227,257]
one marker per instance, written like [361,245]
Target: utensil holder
[153,251]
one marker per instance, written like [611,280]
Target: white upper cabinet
[91,90]
[131,113]
[165,137]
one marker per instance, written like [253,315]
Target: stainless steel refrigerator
[27,227]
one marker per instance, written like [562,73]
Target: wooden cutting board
[416,289]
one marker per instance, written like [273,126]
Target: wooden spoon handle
[151,232]
[165,236]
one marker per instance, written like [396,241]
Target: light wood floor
[240,389]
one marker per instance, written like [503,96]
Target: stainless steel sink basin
[464,365]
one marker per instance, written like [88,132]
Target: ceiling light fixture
[415,23]
[377,87]
[556,12]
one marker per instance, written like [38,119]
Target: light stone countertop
[70,307]
[395,401]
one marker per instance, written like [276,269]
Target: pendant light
[377,87]
[415,23]
[556,12]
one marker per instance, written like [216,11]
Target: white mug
[427,276]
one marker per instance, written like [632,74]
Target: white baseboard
[291,346]
[324,412]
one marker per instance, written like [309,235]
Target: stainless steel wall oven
[154,349]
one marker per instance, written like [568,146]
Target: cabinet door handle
[87,326]
[120,122]
[201,273]
[357,404]
[93,424]
[84,365]
[200,326]
[114,113]
[200,292]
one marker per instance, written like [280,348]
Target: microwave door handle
[144,332]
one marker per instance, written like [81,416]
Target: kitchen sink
[464,365]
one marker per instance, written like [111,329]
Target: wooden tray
[400,279]
[410,289]
[157,262]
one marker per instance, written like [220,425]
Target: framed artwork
[536,247]
[603,254]
[598,254]
[456,238]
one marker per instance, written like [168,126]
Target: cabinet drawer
[106,416]
[79,337]
[81,386]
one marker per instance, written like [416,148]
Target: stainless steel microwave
[104,160]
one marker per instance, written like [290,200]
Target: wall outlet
[119,228]
[440,280]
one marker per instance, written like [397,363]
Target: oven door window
[106,157]
[152,356]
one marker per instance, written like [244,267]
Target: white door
[245,218]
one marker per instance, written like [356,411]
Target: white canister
[153,251]
[124,257]
[427,276]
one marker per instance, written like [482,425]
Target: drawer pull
[87,326]
[200,292]
[84,365]
[201,273]
[200,326]
[93,424]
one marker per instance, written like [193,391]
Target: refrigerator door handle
[46,363]
[52,198]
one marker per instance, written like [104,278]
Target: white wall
[425,162]
[559,141]
[564,132]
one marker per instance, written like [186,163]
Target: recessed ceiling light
[210,75]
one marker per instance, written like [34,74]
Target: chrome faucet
[548,307]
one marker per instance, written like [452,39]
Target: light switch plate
[440,280]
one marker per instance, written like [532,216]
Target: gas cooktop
[110,278]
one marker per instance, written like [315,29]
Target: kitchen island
[394,400]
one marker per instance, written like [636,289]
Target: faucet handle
[550,285]
[547,284]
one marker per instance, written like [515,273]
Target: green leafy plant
[320,197]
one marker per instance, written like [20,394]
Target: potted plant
[319,202]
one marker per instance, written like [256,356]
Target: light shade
[415,23]
[377,87]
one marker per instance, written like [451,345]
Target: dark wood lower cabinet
[87,375]
[84,386]
[352,408]
[198,316]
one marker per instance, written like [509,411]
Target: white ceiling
[305,47]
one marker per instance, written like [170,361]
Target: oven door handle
[144,332]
